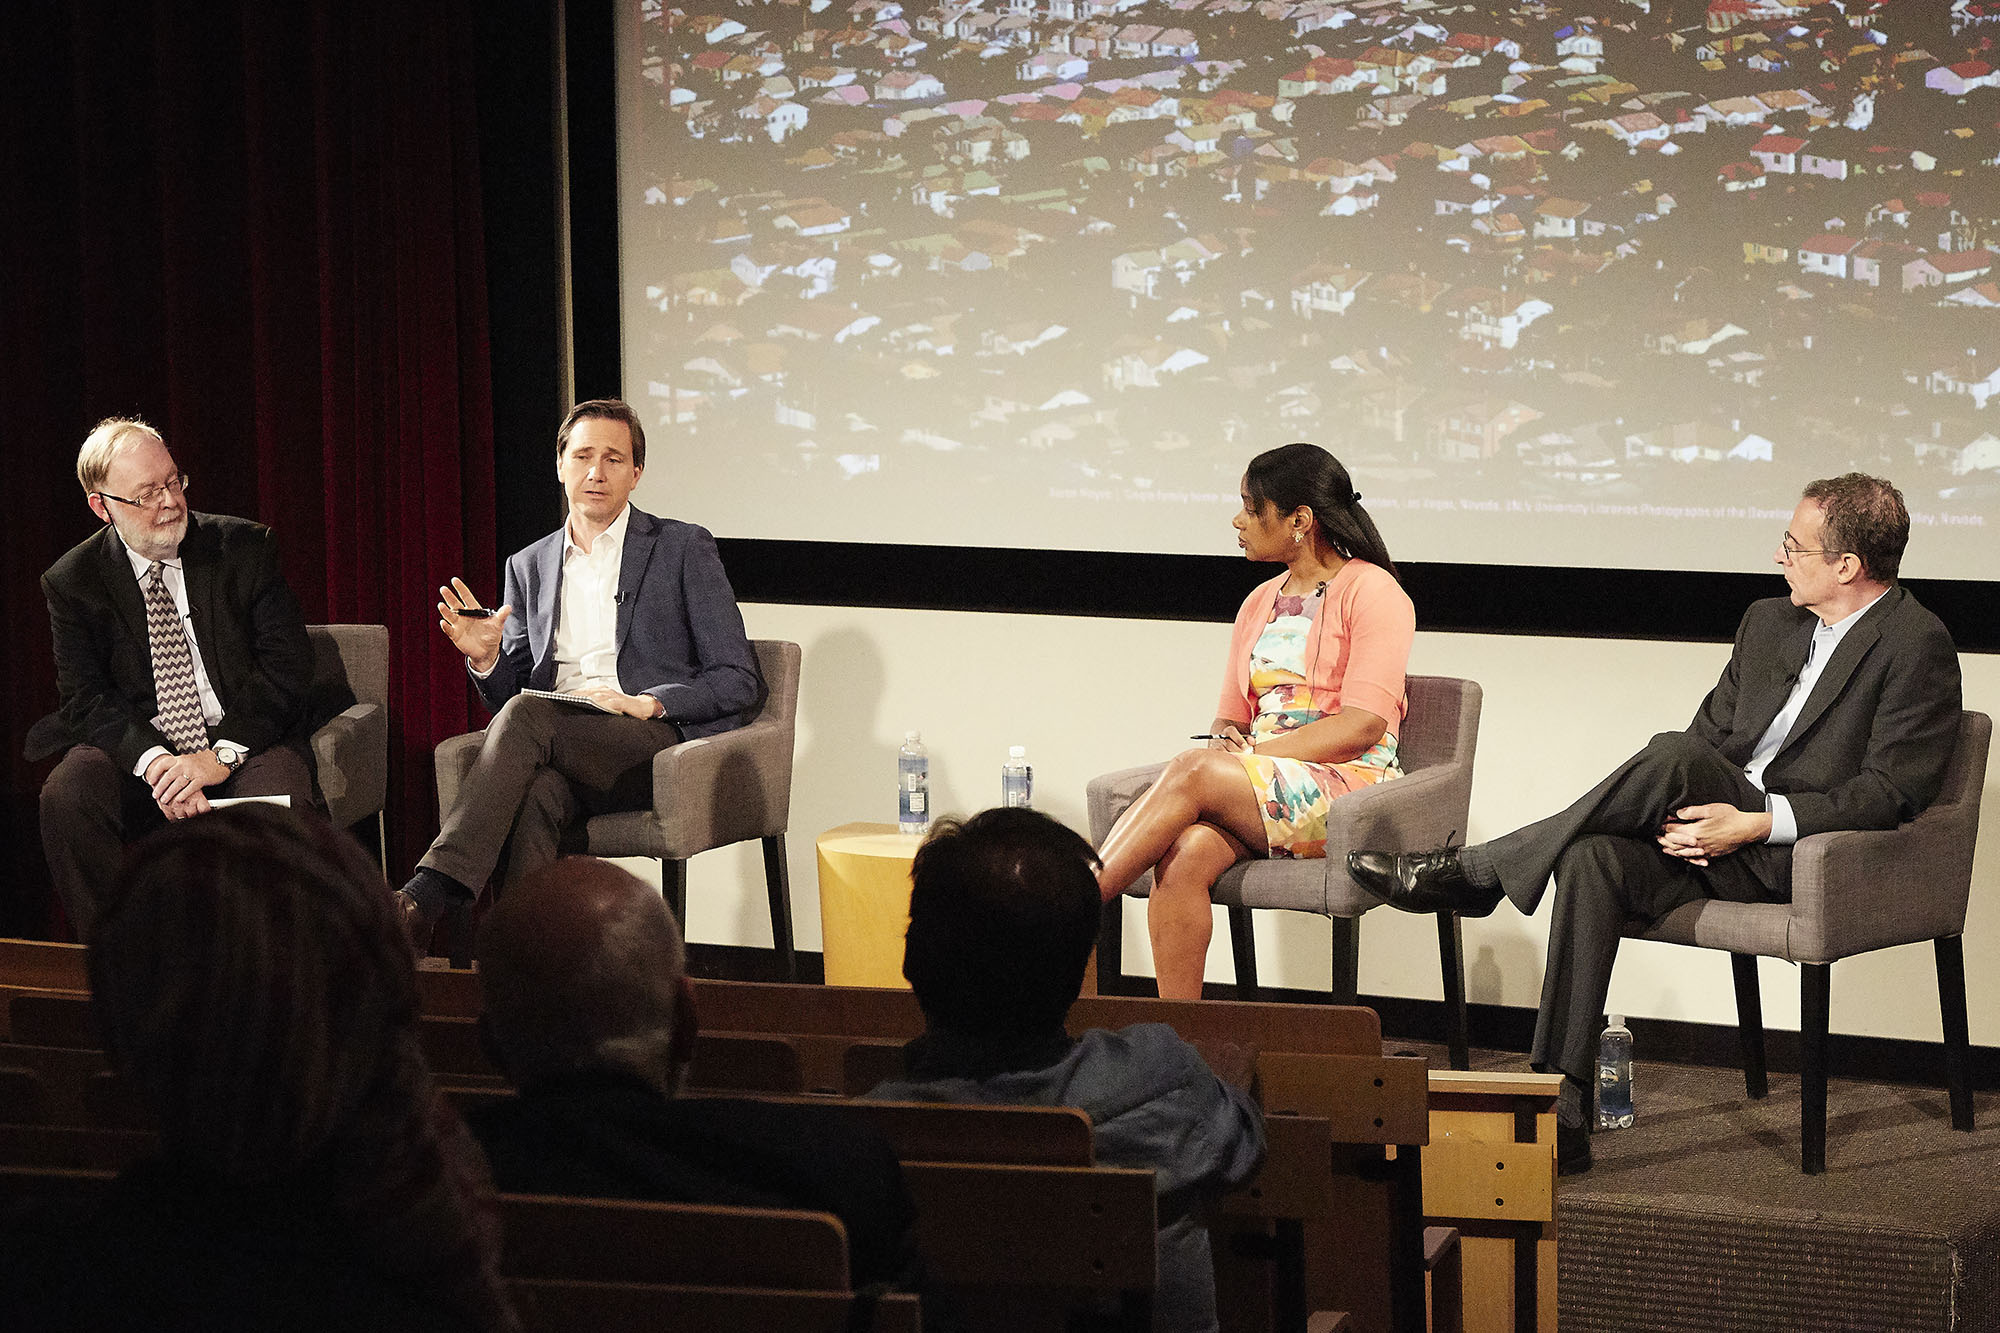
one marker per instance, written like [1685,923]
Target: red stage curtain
[258,226]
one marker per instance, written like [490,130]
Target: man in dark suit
[589,1012]
[628,612]
[181,661]
[1837,711]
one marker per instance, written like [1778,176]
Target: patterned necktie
[180,717]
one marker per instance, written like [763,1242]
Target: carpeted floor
[1698,1217]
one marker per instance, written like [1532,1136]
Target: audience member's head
[583,969]
[1003,913]
[254,985]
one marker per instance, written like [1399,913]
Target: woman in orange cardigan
[1311,701]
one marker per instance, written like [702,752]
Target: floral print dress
[1292,793]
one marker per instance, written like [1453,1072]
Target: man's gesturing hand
[1698,832]
[478,637]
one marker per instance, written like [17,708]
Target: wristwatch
[231,756]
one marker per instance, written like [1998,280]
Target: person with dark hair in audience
[589,1012]
[1315,679]
[253,986]
[1003,914]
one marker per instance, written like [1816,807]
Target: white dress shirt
[1825,639]
[586,646]
[211,703]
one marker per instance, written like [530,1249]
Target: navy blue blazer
[680,634]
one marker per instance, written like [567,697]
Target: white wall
[1089,695]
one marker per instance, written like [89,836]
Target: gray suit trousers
[544,767]
[1609,871]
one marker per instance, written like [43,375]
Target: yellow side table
[864,903]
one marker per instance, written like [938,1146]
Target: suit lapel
[1854,646]
[1765,696]
[542,620]
[123,589]
[199,573]
[641,531]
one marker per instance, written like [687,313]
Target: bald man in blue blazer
[630,612]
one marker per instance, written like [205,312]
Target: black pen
[473,612]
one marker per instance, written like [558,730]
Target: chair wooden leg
[1814,993]
[1957,1043]
[1346,958]
[1111,948]
[1750,1023]
[1451,962]
[1243,945]
[778,883]
[674,888]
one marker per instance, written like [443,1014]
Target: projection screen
[1573,285]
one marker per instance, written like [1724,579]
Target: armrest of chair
[1110,794]
[1411,813]
[453,760]
[716,790]
[1864,889]
[351,760]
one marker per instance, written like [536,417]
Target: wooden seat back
[42,965]
[76,1087]
[53,1018]
[624,1240]
[997,1235]
[548,1306]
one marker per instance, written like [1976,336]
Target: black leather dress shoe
[418,923]
[1572,1150]
[1431,881]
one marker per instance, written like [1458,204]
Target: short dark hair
[1864,515]
[1003,913]
[605,409]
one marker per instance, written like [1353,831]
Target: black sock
[434,890]
[1477,867]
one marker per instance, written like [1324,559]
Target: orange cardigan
[1360,648]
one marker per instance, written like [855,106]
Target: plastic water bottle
[1017,780]
[1614,1076]
[913,786]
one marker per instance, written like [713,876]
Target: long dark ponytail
[1305,474]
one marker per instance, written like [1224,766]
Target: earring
[1298,537]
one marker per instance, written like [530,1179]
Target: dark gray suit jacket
[680,634]
[247,623]
[1870,747]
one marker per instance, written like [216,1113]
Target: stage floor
[1697,1218]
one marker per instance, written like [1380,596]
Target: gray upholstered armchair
[707,793]
[351,749]
[1425,808]
[1853,892]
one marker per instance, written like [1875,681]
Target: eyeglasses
[153,496]
[1793,550]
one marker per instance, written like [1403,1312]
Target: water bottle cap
[912,736]
[1017,752]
